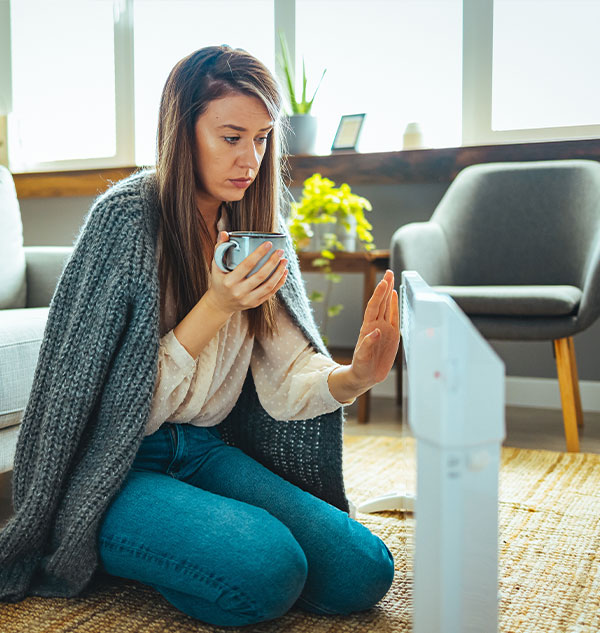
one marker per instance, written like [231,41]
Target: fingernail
[280,252]
[267,245]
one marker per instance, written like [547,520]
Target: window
[397,61]
[549,52]
[62,82]
[531,70]
[167,32]
[87,74]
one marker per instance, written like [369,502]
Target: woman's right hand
[232,292]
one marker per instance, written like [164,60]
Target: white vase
[346,237]
[413,136]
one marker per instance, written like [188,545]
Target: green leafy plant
[302,105]
[324,203]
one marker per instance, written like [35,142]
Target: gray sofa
[28,277]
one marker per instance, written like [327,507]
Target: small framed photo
[346,137]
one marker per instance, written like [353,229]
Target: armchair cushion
[44,266]
[534,301]
[13,283]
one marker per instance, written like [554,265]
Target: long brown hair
[208,74]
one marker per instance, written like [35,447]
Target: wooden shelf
[382,168]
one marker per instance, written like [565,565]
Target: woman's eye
[232,139]
[262,139]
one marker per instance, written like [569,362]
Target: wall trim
[521,391]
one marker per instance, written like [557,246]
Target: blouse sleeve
[290,376]
[176,368]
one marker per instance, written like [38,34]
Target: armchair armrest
[421,246]
[44,266]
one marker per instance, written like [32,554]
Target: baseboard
[542,393]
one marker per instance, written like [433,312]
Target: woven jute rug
[549,556]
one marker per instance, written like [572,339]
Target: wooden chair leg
[364,407]
[569,390]
[575,376]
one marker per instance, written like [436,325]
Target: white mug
[241,244]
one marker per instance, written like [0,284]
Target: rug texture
[549,556]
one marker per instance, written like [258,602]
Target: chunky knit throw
[92,392]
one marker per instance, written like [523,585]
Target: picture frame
[348,132]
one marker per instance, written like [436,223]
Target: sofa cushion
[13,284]
[8,447]
[21,333]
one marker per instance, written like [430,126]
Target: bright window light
[63,81]
[399,61]
[165,31]
[546,60]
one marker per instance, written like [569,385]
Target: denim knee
[277,578]
[364,576]
[374,579]
[264,584]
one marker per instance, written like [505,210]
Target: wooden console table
[369,264]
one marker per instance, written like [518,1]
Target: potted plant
[329,219]
[302,125]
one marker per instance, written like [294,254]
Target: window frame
[477,43]
[124,102]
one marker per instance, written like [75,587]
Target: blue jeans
[228,542]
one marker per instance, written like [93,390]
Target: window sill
[384,168]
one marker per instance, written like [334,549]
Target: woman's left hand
[379,335]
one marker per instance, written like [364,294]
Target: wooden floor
[525,428]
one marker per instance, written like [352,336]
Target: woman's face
[231,139]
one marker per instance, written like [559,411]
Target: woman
[184,425]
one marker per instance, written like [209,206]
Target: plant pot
[302,134]
[347,238]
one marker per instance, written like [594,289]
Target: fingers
[222,237]
[383,307]
[379,301]
[245,267]
[364,350]
[267,289]
[374,303]
[394,316]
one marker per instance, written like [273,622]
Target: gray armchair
[517,245]
[28,277]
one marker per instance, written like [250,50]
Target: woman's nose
[249,157]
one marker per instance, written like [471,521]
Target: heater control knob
[478,460]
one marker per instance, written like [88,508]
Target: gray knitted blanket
[92,393]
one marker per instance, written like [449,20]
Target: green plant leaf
[288,70]
[303,83]
[319,262]
[316,296]
[334,310]
[334,277]
[316,90]
[322,202]
[327,254]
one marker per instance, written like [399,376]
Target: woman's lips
[241,183]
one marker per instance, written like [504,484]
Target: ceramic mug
[241,244]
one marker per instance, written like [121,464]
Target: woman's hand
[232,292]
[379,335]
[376,347]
